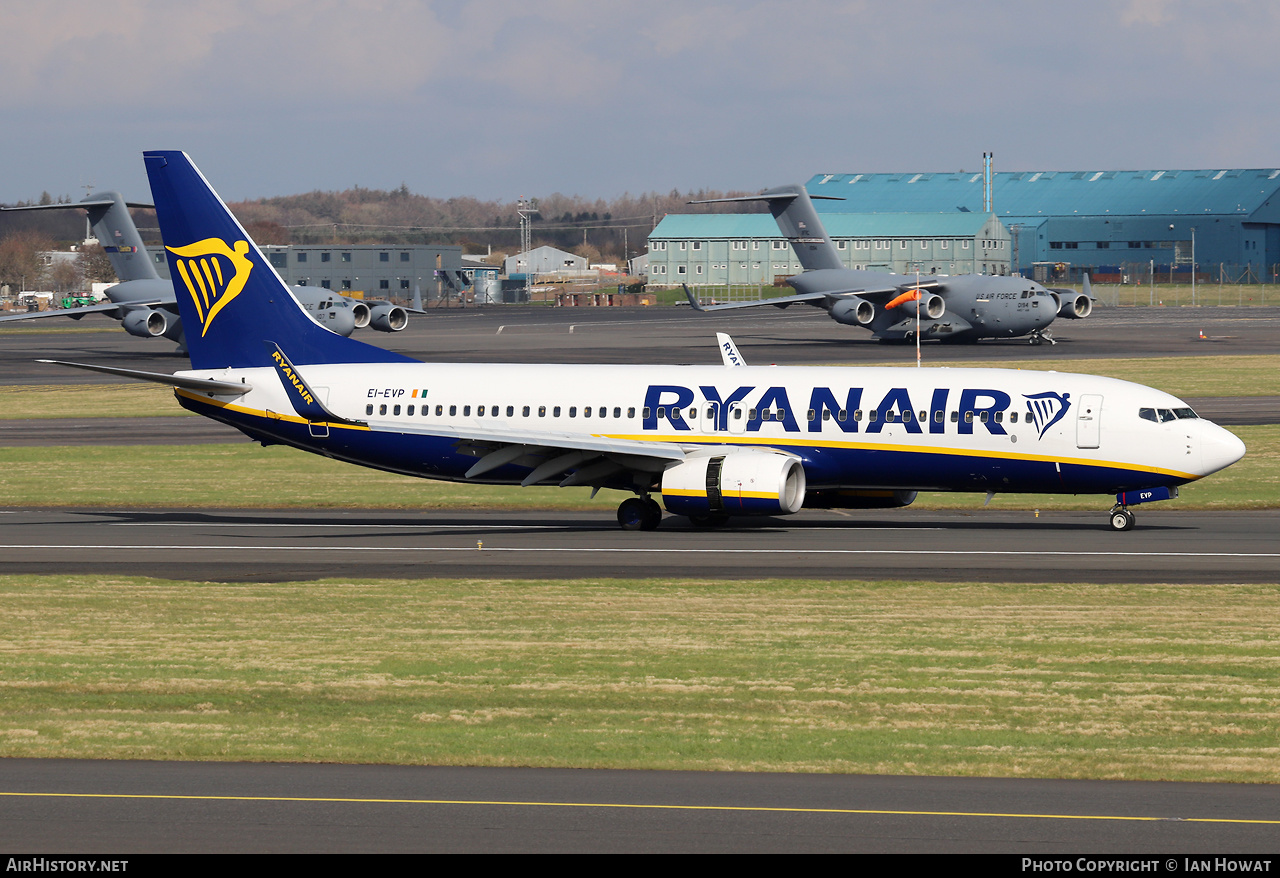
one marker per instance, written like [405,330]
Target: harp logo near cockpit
[214,274]
[1046,409]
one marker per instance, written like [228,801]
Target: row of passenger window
[495,411]
[736,414]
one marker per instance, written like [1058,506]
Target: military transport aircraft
[713,441]
[145,303]
[961,308]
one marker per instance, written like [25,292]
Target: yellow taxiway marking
[626,805]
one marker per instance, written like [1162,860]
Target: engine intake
[933,306]
[360,311]
[146,323]
[1075,307]
[388,318]
[853,312]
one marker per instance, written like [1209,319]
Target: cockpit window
[1162,416]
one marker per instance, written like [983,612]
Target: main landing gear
[1121,518]
[639,513]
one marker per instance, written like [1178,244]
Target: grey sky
[498,99]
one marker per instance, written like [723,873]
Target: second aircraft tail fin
[792,209]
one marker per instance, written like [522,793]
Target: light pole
[1193,266]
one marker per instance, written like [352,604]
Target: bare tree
[20,261]
[95,266]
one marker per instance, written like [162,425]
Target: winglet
[305,401]
[729,350]
[1086,287]
[693,300]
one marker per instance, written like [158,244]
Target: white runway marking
[486,526]
[640,550]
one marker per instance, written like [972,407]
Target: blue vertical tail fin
[230,298]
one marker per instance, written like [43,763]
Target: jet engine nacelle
[360,311]
[859,499]
[853,312]
[735,483]
[1075,306]
[932,306]
[388,318]
[146,323]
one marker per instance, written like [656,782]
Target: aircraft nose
[344,323]
[1219,448]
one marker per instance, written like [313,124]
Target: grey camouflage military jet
[961,308]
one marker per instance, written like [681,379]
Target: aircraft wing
[594,460]
[779,302]
[820,297]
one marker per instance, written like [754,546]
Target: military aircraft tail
[116,231]
[230,298]
[792,209]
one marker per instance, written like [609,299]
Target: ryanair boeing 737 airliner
[712,441]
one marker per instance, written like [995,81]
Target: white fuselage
[944,429]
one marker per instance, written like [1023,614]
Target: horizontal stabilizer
[186,382]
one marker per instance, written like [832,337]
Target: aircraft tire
[633,514]
[653,514]
[1122,519]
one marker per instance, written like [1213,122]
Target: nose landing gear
[1040,336]
[1121,518]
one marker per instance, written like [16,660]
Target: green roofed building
[748,248]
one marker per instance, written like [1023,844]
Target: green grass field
[134,399]
[1119,681]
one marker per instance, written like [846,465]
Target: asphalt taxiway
[670,335]
[97,807]
[977,545]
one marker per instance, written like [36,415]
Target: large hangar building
[1110,222]
[740,248]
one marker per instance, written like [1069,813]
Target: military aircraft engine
[388,318]
[932,306]
[150,323]
[1073,305]
[360,311]
[735,483]
[855,312]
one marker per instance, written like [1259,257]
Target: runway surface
[66,806]
[978,545]
[799,335]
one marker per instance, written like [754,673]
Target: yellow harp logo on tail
[213,273]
